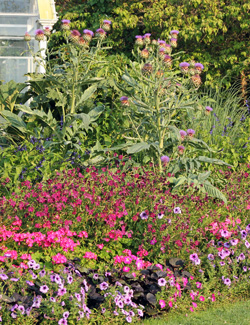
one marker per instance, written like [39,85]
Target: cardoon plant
[157,95]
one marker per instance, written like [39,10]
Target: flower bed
[107,244]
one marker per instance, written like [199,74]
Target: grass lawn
[234,313]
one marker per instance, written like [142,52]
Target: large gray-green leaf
[86,94]
[96,112]
[199,144]
[212,161]
[213,191]
[138,147]
[14,121]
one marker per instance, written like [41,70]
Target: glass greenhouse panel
[15,68]
[18,6]
[17,25]
[14,47]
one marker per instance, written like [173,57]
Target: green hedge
[215,33]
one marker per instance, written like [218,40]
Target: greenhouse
[16,18]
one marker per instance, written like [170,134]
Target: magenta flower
[124,101]
[65,24]
[162,303]
[147,35]
[174,32]
[184,67]
[65,21]
[39,35]
[100,33]
[181,149]
[209,109]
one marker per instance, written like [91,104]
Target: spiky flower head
[147,69]
[87,35]
[196,80]
[144,54]
[161,43]
[173,42]
[159,73]
[106,25]
[146,38]
[27,37]
[190,132]
[65,24]
[183,134]
[39,35]
[181,149]
[174,33]
[208,110]
[168,48]
[124,101]
[164,160]
[198,68]
[167,61]
[162,52]
[82,42]
[184,67]
[100,33]
[75,35]
[47,31]
[139,40]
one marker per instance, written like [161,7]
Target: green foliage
[9,94]
[212,32]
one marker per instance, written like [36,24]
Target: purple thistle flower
[139,37]
[165,160]
[199,66]
[104,286]
[162,282]
[209,109]
[107,22]
[183,134]
[147,35]
[89,32]
[184,65]
[175,32]
[44,289]
[190,132]
[66,21]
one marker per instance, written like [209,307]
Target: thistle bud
[196,80]
[159,73]
[181,149]
[124,101]
[208,110]
[65,24]
[168,48]
[47,31]
[82,42]
[198,68]
[174,33]
[146,38]
[39,35]
[87,35]
[27,37]
[173,42]
[154,42]
[100,33]
[184,67]
[147,69]
[162,52]
[74,36]
[144,54]
[167,61]
[139,40]
[106,25]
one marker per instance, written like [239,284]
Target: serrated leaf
[214,192]
[138,147]
[213,161]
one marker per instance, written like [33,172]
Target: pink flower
[126,269]
[162,303]
[100,246]
[201,298]
[59,258]
[194,304]
[198,285]
[191,309]
[127,260]
[90,255]
[170,304]
[159,265]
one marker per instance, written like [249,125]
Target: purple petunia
[177,210]
[104,286]
[44,289]
[227,281]
[144,215]
[162,282]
